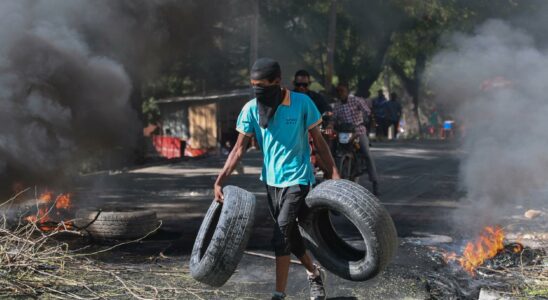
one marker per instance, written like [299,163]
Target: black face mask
[268,100]
[269,96]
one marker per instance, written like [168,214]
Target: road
[419,187]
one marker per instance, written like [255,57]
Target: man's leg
[287,238]
[282,261]
[381,128]
[282,272]
[282,269]
[316,276]
[396,128]
[371,169]
[385,125]
[307,262]
[285,204]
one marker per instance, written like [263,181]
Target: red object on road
[193,152]
[167,146]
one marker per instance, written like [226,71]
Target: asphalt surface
[419,187]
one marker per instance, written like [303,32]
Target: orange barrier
[167,146]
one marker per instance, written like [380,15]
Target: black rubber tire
[367,214]
[116,225]
[222,237]
[346,167]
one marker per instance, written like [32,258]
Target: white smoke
[496,80]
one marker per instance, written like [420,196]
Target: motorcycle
[329,136]
[350,162]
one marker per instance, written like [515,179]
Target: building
[204,122]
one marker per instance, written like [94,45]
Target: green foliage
[428,22]
[209,41]
[151,111]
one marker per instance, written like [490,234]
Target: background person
[301,84]
[350,109]
[393,113]
[379,113]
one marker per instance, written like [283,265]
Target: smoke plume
[495,79]
[63,94]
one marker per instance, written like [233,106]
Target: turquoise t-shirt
[284,143]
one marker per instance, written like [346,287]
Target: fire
[486,246]
[63,201]
[47,208]
[518,248]
[46,197]
[490,242]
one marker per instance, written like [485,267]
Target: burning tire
[116,225]
[369,217]
[223,236]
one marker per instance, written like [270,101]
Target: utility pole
[331,39]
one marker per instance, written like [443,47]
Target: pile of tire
[114,225]
[226,229]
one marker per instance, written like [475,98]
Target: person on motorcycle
[301,84]
[351,109]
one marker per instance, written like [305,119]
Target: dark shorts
[285,206]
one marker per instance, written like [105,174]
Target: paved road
[418,186]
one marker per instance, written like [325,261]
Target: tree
[427,21]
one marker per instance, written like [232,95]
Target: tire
[366,213]
[116,225]
[222,237]
[345,167]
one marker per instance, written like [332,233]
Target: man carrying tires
[281,120]
[351,109]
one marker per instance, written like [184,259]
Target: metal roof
[231,94]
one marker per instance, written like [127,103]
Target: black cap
[266,68]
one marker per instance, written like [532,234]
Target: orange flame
[46,197]
[518,248]
[46,209]
[63,201]
[486,246]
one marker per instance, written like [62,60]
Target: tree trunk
[420,64]
[412,84]
[386,81]
[374,68]
[331,39]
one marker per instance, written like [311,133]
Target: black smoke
[65,89]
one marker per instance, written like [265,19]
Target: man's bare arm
[231,162]
[325,153]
